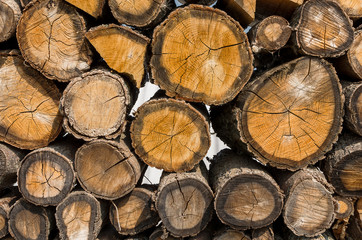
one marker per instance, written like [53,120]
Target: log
[353,8]
[30,116]
[284,8]
[344,207]
[27,221]
[9,163]
[170,134]
[10,13]
[241,10]
[51,38]
[358,211]
[327,235]
[93,8]
[288,117]
[184,201]
[135,212]
[190,63]
[80,216]
[269,35]
[140,13]
[127,53]
[353,106]
[99,164]
[322,29]
[160,234]
[46,175]
[343,166]
[246,196]
[265,233]
[95,105]
[350,64]
[354,229]
[6,201]
[309,204]
[228,234]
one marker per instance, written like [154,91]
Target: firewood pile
[278,81]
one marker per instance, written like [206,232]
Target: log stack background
[279,82]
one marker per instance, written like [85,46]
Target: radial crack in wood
[190,63]
[51,38]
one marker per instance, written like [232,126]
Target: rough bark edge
[15,7]
[213,10]
[8,174]
[349,211]
[351,91]
[338,124]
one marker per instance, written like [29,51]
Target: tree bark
[46,175]
[309,205]
[51,38]
[135,212]
[10,13]
[265,233]
[353,106]
[246,196]
[27,221]
[344,207]
[284,8]
[140,13]
[95,105]
[99,164]
[241,10]
[159,234]
[184,202]
[6,201]
[80,216]
[288,117]
[190,63]
[161,134]
[128,52]
[93,7]
[9,163]
[30,116]
[343,166]
[322,29]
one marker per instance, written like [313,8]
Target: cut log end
[126,54]
[9,16]
[93,7]
[51,38]
[291,115]
[231,234]
[344,207]
[241,10]
[353,8]
[190,63]
[99,165]
[95,105]
[161,135]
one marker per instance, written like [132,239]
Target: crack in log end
[77,217]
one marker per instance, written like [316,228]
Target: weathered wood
[10,13]
[353,106]
[135,212]
[354,229]
[51,38]
[6,201]
[284,8]
[127,53]
[265,233]
[289,117]
[170,134]
[246,196]
[344,207]
[270,34]
[309,205]
[27,221]
[228,234]
[80,216]
[353,8]
[322,29]
[140,13]
[99,164]
[241,10]
[343,166]
[191,63]
[95,105]
[160,234]
[92,7]
[203,2]
[327,235]
[9,163]
[30,116]
[46,175]
[184,201]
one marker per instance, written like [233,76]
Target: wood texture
[184,202]
[344,207]
[284,8]
[203,2]
[6,201]
[46,175]
[265,233]
[140,13]
[322,29]
[353,106]
[246,196]
[10,13]
[79,216]
[92,7]
[170,134]
[241,10]
[191,63]
[159,234]
[127,53]
[9,163]
[228,234]
[99,164]
[343,166]
[30,116]
[353,8]
[27,221]
[51,38]
[288,117]
[309,205]
[95,105]
[135,212]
